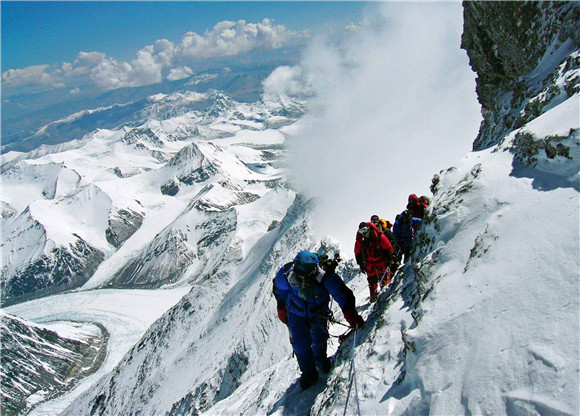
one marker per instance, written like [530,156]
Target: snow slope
[488,314]
[483,322]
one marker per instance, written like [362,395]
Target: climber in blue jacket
[302,290]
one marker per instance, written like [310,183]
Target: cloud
[178,73]
[83,65]
[355,27]
[226,39]
[143,70]
[232,38]
[164,52]
[32,75]
[395,104]
[288,81]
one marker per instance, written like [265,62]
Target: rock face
[122,226]
[38,364]
[526,58]
[58,270]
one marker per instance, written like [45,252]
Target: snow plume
[395,104]
[287,81]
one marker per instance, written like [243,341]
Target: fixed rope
[330,318]
[352,372]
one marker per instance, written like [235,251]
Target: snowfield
[496,333]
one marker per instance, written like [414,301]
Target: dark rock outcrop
[526,58]
[38,364]
[59,270]
[122,226]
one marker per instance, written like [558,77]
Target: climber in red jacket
[373,253]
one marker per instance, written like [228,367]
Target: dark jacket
[404,229]
[391,237]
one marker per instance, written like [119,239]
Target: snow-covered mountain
[56,116]
[69,209]
[163,204]
[194,209]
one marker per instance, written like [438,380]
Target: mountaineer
[302,290]
[384,227]
[404,231]
[373,253]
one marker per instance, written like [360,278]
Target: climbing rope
[352,372]
[330,319]
[354,375]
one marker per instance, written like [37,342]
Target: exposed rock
[38,364]
[170,188]
[122,226]
[526,57]
[163,262]
[7,211]
[61,269]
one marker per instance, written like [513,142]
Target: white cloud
[81,67]
[288,81]
[232,38]
[143,70]
[225,39]
[164,52]
[395,104]
[32,75]
[178,73]
[352,27]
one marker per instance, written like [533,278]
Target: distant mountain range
[68,208]
[30,120]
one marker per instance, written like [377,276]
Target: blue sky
[52,33]
[39,32]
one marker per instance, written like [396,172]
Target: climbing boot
[324,365]
[307,380]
